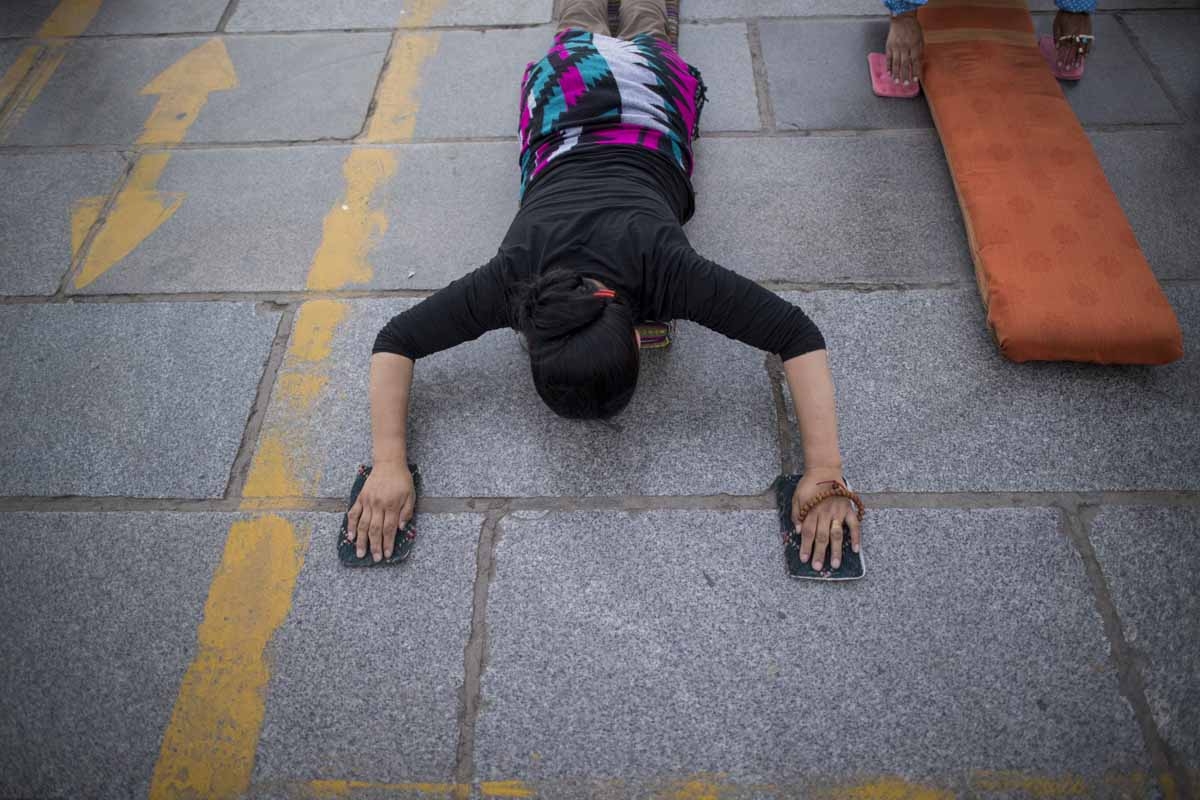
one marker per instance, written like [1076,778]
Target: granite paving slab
[702,421]
[368,668]
[1150,557]
[1154,174]
[819,79]
[1169,41]
[44,209]
[670,645]
[826,209]
[722,54]
[99,613]
[127,399]
[927,404]
[278,15]
[289,88]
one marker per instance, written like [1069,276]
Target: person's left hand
[824,527]
[1070,53]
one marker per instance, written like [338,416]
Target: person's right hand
[384,504]
[905,44]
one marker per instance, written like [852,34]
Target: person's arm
[387,498]
[464,310]
[696,289]
[811,386]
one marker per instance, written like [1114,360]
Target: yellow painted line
[396,102]
[505,789]
[280,468]
[208,749]
[888,788]
[1033,785]
[13,76]
[355,224]
[140,209]
[69,19]
[330,789]
[951,35]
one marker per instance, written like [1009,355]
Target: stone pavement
[210,207]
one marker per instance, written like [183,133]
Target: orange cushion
[1059,268]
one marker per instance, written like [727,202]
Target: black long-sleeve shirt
[615,214]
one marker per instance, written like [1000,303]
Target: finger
[352,520]
[376,534]
[855,532]
[835,541]
[808,533]
[362,538]
[822,543]
[917,54]
[796,521]
[892,64]
[389,533]
[906,69]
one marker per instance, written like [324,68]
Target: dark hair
[582,349]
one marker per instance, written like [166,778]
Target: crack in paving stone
[79,257]
[766,107]
[227,15]
[1173,778]
[475,653]
[239,470]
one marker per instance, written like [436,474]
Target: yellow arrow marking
[138,212]
[140,209]
[183,89]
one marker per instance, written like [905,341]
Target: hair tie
[607,294]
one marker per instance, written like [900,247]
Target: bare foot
[1072,38]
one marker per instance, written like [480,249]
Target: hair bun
[557,304]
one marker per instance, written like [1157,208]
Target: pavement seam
[85,247]
[1173,780]
[227,15]
[475,652]
[762,86]
[783,424]
[718,502]
[1155,72]
[350,141]
[239,470]
[288,297]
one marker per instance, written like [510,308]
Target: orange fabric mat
[1058,266]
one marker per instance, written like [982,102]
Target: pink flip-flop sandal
[882,83]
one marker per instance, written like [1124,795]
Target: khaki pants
[637,17]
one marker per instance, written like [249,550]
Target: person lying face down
[597,246]
[905,42]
